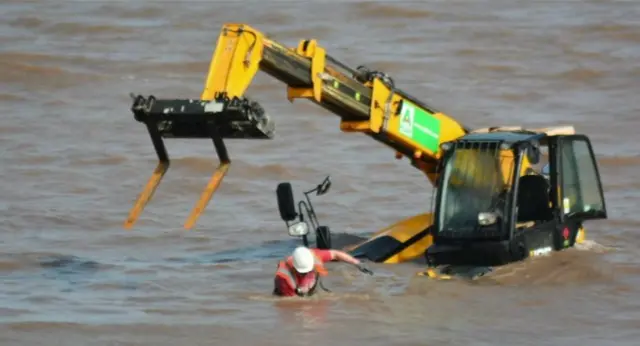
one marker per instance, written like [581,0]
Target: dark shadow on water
[66,273]
[67,264]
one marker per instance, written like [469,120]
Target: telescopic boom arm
[366,101]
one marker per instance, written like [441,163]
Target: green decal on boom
[419,125]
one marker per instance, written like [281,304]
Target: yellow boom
[366,101]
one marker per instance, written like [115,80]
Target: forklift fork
[223,117]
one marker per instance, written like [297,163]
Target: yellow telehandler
[492,205]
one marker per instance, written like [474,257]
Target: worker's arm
[337,255]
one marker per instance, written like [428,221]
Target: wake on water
[592,245]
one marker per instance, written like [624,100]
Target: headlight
[299,229]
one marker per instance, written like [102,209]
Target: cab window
[581,189]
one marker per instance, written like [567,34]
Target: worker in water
[300,273]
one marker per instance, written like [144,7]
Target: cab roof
[513,134]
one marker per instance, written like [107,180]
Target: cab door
[580,197]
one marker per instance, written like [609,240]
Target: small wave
[566,267]
[9,312]
[10,98]
[621,32]
[105,160]
[580,74]
[7,129]
[182,69]
[26,22]
[497,68]
[624,223]
[144,12]
[465,52]
[34,159]
[42,71]
[74,28]
[385,11]
[194,164]
[277,18]
[591,245]
[138,239]
[39,326]
[319,32]
[522,97]
[11,265]
[619,161]
[621,185]
[36,72]
[319,297]
[8,57]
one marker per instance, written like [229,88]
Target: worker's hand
[363,269]
[302,291]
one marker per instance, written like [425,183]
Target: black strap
[322,286]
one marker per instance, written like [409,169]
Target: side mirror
[487,218]
[533,153]
[299,229]
[286,203]
[324,186]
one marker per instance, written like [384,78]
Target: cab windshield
[476,180]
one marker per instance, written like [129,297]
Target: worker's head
[303,260]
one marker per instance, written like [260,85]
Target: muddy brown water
[74,159]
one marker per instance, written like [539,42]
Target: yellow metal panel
[403,231]
[581,237]
[416,250]
[354,126]
[383,105]
[235,62]
[317,54]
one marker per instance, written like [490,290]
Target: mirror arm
[311,212]
[300,213]
[301,204]
[315,189]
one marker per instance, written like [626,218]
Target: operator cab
[493,206]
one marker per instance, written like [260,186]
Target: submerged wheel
[519,251]
[323,237]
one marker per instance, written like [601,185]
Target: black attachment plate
[235,118]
